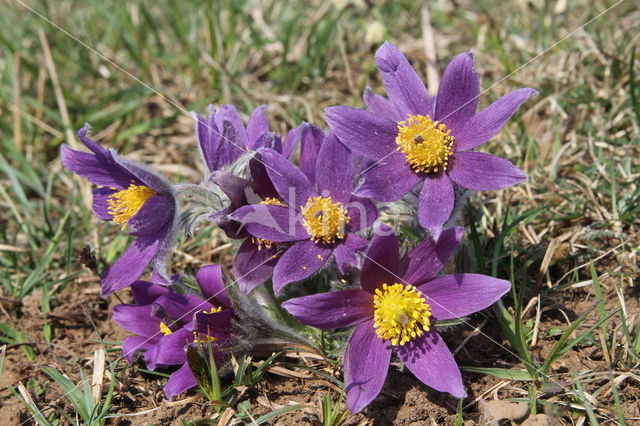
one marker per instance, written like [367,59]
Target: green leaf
[502,373]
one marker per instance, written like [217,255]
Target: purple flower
[318,216]
[414,138]
[134,196]
[394,311]
[223,138]
[165,323]
[256,257]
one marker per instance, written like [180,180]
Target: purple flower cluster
[309,204]
[166,322]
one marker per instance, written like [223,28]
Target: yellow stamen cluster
[125,204]
[400,313]
[324,219]
[260,242]
[271,201]
[164,329]
[213,310]
[202,338]
[425,143]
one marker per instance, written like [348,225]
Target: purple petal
[229,114]
[458,95]
[335,309]
[272,223]
[311,139]
[260,178]
[234,187]
[292,185]
[124,271]
[389,180]
[431,361]
[133,344]
[484,172]
[216,324]
[100,204]
[485,124]
[382,260]
[269,140]
[209,137]
[151,353]
[180,308]
[428,258]
[145,293]
[366,362]
[154,216]
[180,381]
[291,141]
[99,170]
[300,261]
[231,145]
[171,348]
[144,174]
[137,319]
[253,266]
[362,213]
[212,285]
[335,170]
[380,105]
[347,250]
[403,85]
[363,132]
[257,125]
[231,228]
[455,296]
[436,202]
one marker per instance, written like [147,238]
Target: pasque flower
[166,322]
[223,138]
[318,217]
[256,257]
[414,138]
[395,310]
[133,196]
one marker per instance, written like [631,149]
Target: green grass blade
[502,373]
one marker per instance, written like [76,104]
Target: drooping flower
[166,322]
[257,257]
[223,138]
[413,138]
[142,201]
[394,311]
[318,217]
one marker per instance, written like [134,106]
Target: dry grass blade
[98,375]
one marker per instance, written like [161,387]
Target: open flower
[256,257]
[317,217]
[165,323]
[414,138]
[133,196]
[223,138]
[395,309]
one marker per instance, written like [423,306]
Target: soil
[79,321]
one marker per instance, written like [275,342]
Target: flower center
[324,219]
[260,242]
[400,313]
[213,310]
[425,143]
[164,329]
[125,204]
